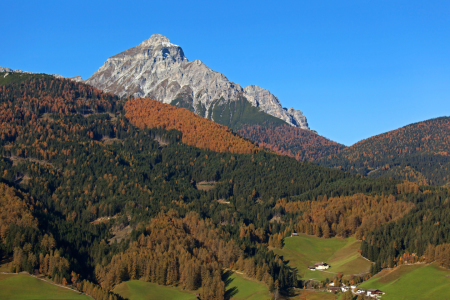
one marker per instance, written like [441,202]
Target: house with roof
[321,266]
[312,268]
[374,293]
[333,289]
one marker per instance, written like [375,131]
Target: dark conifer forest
[96,190]
[418,152]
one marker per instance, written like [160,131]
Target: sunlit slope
[25,287]
[241,288]
[238,288]
[412,282]
[341,254]
[197,131]
[140,290]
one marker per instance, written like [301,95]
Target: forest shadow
[226,277]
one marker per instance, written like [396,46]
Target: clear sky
[355,68]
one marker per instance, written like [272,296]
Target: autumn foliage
[197,131]
[417,152]
[304,145]
[346,215]
[440,254]
[15,208]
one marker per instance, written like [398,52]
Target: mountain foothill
[100,186]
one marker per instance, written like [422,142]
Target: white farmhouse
[321,266]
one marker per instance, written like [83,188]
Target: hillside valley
[80,167]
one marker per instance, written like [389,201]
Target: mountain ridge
[416,152]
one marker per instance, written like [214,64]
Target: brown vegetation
[15,208]
[197,131]
[304,145]
[345,215]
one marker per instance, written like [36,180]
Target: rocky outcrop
[4,69]
[158,69]
[270,104]
[75,78]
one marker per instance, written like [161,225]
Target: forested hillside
[302,144]
[418,152]
[91,200]
[196,131]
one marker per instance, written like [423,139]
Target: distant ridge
[8,70]
[418,152]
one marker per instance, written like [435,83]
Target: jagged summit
[157,46]
[158,69]
[156,40]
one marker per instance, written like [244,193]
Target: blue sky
[355,68]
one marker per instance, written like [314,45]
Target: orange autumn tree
[15,209]
[197,131]
[345,215]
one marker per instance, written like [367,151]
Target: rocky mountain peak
[157,40]
[158,69]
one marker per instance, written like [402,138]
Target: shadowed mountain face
[304,145]
[158,69]
[417,152]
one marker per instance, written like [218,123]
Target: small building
[353,286]
[312,268]
[361,291]
[333,289]
[321,266]
[344,288]
[331,283]
[294,234]
[374,293]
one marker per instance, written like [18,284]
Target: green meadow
[241,288]
[412,282]
[25,287]
[238,288]
[141,290]
[341,254]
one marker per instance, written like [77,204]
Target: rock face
[4,69]
[75,78]
[159,70]
[270,104]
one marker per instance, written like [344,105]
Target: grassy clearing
[412,282]
[241,288]
[140,290]
[341,254]
[238,288]
[25,287]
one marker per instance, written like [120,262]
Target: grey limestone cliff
[159,70]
